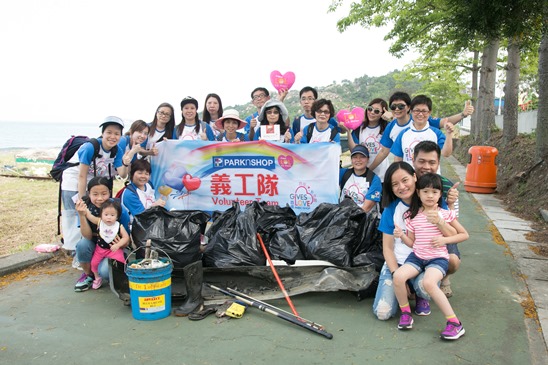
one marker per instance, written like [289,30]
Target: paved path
[43,321]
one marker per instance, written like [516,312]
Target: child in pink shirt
[428,229]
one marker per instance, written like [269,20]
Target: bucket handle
[152,248]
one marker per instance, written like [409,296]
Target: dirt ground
[521,180]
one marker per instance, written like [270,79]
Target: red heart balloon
[191,183]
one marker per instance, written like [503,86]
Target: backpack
[310,131]
[121,191]
[68,150]
[368,176]
[71,146]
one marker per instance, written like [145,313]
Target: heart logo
[280,81]
[285,162]
[191,183]
[351,119]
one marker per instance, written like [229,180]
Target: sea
[38,135]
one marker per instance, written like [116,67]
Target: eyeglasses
[324,112]
[310,98]
[274,111]
[164,114]
[423,112]
[259,96]
[398,106]
[374,111]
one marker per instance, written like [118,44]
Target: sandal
[202,314]
[221,310]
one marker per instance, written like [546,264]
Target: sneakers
[446,288]
[422,306]
[452,331]
[84,283]
[406,321]
[76,263]
[97,283]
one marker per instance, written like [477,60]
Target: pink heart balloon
[351,119]
[280,81]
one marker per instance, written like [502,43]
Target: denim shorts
[421,265]
[453,248]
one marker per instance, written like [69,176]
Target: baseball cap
[361,150]
[189,100]
[112,120]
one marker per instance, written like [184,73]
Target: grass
[28,209]
[29,213]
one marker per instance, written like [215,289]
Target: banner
[211,176]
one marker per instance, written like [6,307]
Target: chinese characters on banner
[201,175]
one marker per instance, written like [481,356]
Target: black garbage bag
[232,240]
[329,231]
[175,232]
[277,227]
[368,245]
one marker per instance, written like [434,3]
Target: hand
[432,216]
[468,108]
[253,123]
[128,156]
[438,241]
[449,128]
[343,128]
[287,136]
[136,149]
[154,150]
[298,137]
[81,208]
[398,233]
[452,194]
[159,203]
[387,115]
[282,93]
[203,136]
[114,247]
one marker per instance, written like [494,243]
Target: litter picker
[270,309]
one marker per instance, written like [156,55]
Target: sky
[80,61]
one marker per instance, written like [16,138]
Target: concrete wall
[527,121]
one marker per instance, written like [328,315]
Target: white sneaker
[76,263]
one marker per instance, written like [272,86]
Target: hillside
[521,180]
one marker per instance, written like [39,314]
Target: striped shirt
[424,232]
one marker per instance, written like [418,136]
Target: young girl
[139,194]
[134,141]
[230,123]
[191,128]
[112,237]
[162,126]
[273,112]
[213,110]
[99,190]
[429,229]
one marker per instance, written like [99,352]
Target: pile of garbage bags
[342,234]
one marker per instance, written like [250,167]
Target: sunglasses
[398,106]
[374,111]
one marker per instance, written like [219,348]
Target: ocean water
[42,135]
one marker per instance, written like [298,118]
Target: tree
[542,117]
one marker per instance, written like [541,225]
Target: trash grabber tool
[270,310]
[280,284]
[314,324]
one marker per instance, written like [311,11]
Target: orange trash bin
[481,172]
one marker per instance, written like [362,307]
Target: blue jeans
[421,265]
[386,305]
[84,252]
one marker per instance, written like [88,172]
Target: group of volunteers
[418,207]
